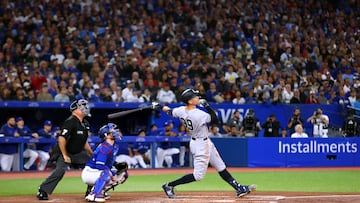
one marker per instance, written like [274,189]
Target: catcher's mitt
[120,167]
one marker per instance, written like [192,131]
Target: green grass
[307,181]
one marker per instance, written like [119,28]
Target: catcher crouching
[101,172]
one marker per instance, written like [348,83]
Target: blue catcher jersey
[104,156]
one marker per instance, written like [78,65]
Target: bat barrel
[123,113]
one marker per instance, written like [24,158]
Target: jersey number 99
[188,124]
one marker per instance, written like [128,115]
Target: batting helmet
[107,129]
[83,105]
[188,94]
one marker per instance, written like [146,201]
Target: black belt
[205,138]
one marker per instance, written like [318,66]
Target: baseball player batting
[201,147]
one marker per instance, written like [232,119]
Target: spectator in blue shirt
[212,93]
[357,106]
[341,99]
[62,95]
[96,97]
[110,73]
[84,94]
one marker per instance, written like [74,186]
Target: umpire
[67,153]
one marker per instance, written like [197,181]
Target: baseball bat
[123,113]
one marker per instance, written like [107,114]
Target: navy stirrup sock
[225,175]
[185,179]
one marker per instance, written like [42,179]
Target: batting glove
[156,105]
[204,103]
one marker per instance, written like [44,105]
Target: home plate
[209,199]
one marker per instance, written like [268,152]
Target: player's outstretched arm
[214,118]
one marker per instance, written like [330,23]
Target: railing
[356,111]
[154,140]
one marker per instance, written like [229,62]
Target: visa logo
[226,114]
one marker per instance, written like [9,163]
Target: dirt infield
[196,197]
[199,197]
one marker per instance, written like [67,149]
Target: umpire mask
[81,104]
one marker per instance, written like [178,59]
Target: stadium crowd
[280,51]
[241,52]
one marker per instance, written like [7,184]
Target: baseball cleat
[88,190]
[245,189]
[95,198]
[42,195]
[107,196]
[169,190]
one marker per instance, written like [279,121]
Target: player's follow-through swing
[202,148]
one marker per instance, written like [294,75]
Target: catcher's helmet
[83,105]
[188,94]
[107,129]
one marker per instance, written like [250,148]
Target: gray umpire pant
[57,174]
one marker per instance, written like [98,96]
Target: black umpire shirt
[75,133]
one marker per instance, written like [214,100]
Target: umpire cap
[188,94]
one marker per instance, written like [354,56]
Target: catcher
[101,172]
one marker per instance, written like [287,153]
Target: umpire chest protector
[75,133]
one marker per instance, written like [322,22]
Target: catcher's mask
[81,104]
[107,129]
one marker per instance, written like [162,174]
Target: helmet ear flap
[103,131]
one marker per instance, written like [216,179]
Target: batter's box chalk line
[217,198]
[323,196]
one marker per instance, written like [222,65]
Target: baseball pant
[90,175]
[182,155]
[126,158]
[44,158]
[140,160]
[32,155]
[57,174]
[16,162]
[6,161]
[165,154]
[205,152]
